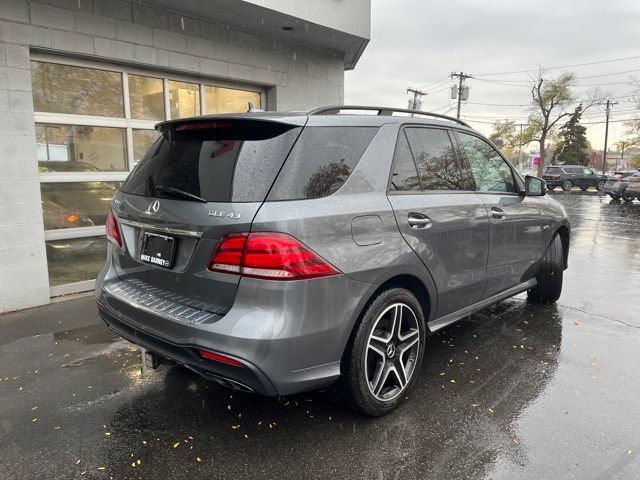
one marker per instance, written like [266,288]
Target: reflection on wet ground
[516,391]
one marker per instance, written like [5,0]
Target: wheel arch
[405,280]
[564,234]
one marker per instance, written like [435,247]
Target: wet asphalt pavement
[516,391]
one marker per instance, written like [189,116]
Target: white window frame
[127,123]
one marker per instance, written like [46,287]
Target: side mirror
[535,187]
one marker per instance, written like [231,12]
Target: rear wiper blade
[178,193]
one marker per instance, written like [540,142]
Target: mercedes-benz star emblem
[391,350]
[153,207]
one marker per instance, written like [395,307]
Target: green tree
[510,137]
[574,146]
[634,162]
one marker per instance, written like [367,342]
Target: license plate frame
[158,249]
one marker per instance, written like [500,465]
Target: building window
[80,148]
[76,204]
[146,97]
[82,91]
[94,122]
[225,100]
[142,140]
[75,259]
[184,99]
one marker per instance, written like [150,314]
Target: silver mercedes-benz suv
[280,252]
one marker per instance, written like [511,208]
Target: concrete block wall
[297,77]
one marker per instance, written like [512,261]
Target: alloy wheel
[392,351]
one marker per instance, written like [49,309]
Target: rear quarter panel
[354,229]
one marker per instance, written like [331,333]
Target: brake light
[268,255]
[185,127]
[623,180]
[220,358]
[113,230]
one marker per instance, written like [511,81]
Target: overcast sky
[416,42]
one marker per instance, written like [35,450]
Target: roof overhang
[341,26]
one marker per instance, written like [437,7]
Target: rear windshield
[215,160]
[321,161]
[553,170]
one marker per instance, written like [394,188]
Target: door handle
[498,213]
[417,221]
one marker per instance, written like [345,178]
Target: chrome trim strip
[159,228]
[442,322]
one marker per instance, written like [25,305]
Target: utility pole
[623,144]
[462,91]
[609,104]
[520,148]
[413,105]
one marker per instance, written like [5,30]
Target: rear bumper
[617,188]
[289,336]
[247,378]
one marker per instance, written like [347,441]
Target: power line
[464,117]
[500,104]
[445,80]
[560,66]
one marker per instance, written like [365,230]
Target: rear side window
[404,177]
[218,161]
[321,161]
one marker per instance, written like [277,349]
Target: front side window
[490,171]
[436,159]
[587,171]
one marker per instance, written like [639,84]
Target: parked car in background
[632,191]
[633,180]
[569,176]
[617,183]
[277,253]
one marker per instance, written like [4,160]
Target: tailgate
[204,178]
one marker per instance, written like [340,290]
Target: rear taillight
[623,180]
[267,255]
[113,230]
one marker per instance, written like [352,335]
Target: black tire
[627,196]
[584,188]
[600,185]
[567,185]
[357,365]
[549,276]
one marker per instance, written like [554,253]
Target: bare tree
[550,102]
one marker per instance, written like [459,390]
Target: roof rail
[335,110]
